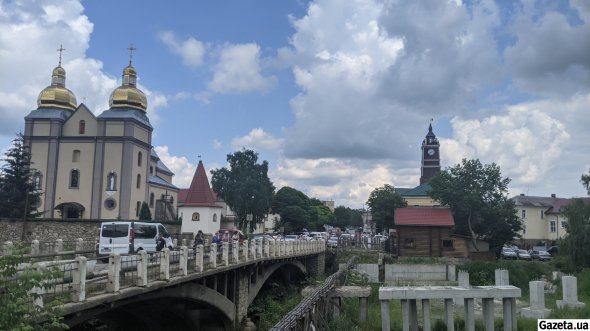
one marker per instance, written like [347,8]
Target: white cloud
[182,168]
[191,50]
[239,70]
[257,139]
[217,144]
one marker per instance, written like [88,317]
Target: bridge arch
[253,292]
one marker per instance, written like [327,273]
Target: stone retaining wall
[50,230]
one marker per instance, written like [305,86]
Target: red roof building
[199,194]
[424,217]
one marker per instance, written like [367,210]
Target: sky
[336,95]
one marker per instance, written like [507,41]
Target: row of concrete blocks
[360,292]
[58,247]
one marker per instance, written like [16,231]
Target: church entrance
[70,210]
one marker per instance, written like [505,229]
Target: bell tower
[430,157]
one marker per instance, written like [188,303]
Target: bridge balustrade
[79,279]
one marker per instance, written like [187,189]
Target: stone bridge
[207,288]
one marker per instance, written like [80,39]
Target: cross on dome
[60,50]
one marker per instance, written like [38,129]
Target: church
[97,167]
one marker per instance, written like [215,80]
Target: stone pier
[537,296]
[570,293]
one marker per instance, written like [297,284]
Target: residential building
[96,167]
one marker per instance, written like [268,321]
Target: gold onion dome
[57,95]
[127,95]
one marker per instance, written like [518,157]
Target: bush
[520,272]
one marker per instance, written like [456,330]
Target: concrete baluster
[570,294]
[252,249]
[213,256]
[183,260]
[165,264]
[79,280]
[35,247]
[271,248]
[266,248]
[225,254]
[38,291]
[114,273]
[501,277]
[245,250]
[537,300]
[469,314]
[59,246]
[175,242]
[449,320]
[488,313]
[199,257]
[183,242]
[426,315]
[235,251]
[142,267]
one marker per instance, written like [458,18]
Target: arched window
[76,155]
[214,217]
[196,217]
[37,179]
[82,127]
[171,200]
[151,170]
[112,182]
[139,159]
[138,184]
[74,178]
[151,200]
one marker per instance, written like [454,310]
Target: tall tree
[575,244]
[18,194]
[345,216]
[295,209]
[245,187]
[586,181]
[144,213]
[477,196]
[383,201]
[324,216]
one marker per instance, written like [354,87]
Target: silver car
[523,255]
[508,253]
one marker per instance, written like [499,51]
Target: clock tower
[430,157]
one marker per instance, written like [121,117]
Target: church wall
[141,134]
[164,176]
[138,194]
[205,222]
[111,163]
[72,125]
[41,129]
[39,151]
[66,164]
[114,129]
[158,193]
[421,201]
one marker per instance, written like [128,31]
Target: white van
[129,237]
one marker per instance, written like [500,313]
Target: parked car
[291,237]
[540,255]
[129,237]
[508,253]
[332,242]
[523,254]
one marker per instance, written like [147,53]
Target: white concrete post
[363,308]
[463,277]
[271,248]
[537,300]
[35,247]
[38,301]
[570,293]
[235,251]
[175,242]
[213,256]
[426,315]
[488,313]
[7,248]
[183,242]
[258,249]
[266,244]
[245,250]
[183,260]
[79,280]
[469,314]
[199,265]
[114,274]
[79,245]
[405,315]
[225,253]
[501,277]
[449,320]
[252,249]
[279,248]
[385,318]
[59,245]
[142,267]
[165,264]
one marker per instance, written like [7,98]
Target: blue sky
[337,96]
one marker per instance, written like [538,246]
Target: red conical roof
[200,193]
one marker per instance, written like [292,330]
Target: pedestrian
[199,238]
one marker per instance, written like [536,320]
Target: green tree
[575,244]
[324,216]
[295,209]
[245,187]
[17,295]
[345,216]
[383,201]
[586,181]
[144,213]
[477,196]
[18,194]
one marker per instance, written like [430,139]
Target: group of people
[218,237]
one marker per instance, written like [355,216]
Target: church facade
[97,167]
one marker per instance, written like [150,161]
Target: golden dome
[127,95]
[57,95]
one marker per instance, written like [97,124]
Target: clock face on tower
[430,152]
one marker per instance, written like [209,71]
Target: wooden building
[423,231]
